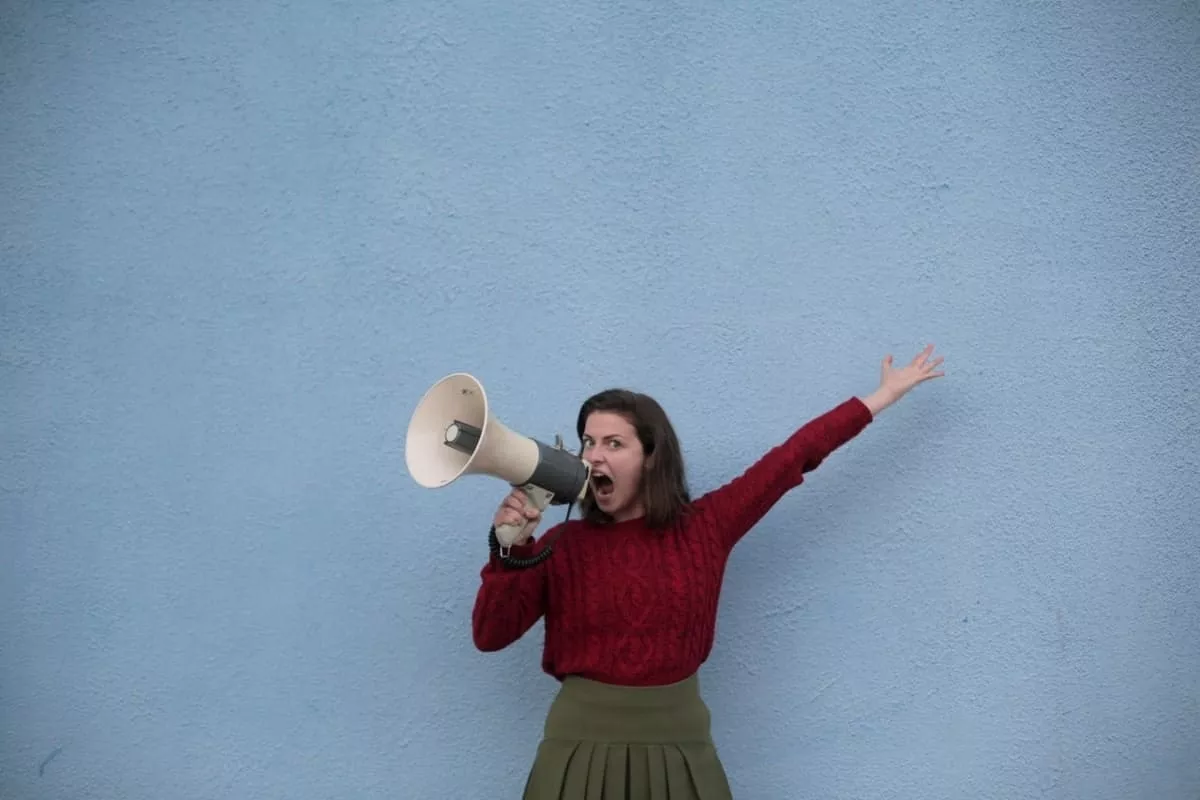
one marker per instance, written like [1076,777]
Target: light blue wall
[240,240]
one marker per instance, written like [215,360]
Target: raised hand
[895,382]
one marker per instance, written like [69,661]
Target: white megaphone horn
[453,433]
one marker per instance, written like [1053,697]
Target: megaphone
[453,433]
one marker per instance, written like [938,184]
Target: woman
[630,593]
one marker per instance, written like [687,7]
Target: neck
[626,514]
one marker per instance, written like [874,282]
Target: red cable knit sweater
[627,605]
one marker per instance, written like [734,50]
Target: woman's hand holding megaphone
[516,510]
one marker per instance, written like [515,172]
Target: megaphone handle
[508,535]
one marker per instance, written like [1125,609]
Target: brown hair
[664,481]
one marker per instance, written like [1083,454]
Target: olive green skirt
[605,742]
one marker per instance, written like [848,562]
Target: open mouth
[602,485]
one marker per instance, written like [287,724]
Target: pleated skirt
[605,742]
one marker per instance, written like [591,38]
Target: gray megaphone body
[453,433]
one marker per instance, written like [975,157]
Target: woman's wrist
[878,400]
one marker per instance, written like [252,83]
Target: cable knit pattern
[632,606]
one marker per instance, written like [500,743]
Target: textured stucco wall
[240,239]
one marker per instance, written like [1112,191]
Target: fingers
[515,510]
[919,358]
[519,503]
[922,368]
[929,369]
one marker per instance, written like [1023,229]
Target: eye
[614,444]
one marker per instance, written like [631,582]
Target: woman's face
[612,447]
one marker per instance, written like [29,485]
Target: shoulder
[694,519]
[696,515]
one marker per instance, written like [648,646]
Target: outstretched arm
[733,509]
[509,600]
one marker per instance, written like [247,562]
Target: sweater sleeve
[733,509]
[509,600]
